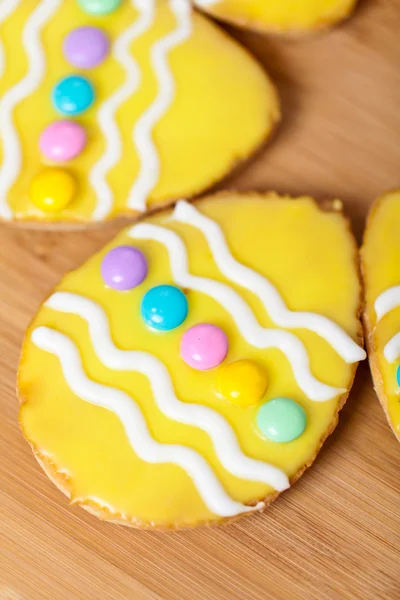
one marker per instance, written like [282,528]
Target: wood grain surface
[336,534]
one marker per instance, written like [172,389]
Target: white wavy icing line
[392,349]
[387,301]
[6,8]
[107,112]
[384,304]
[236,306]
[12,157]
[221,433]
[273,303]
[142,135]
[130,415]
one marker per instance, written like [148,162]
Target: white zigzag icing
[130,415]
[384,304]
[106,115]
[344,345]
[236,306]
[197,415]
[12,156]
[142,135]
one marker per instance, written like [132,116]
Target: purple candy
[124,268]
[86,47]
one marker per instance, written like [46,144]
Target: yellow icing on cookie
[306,253]
[194,104]
[381,269]
[279,15]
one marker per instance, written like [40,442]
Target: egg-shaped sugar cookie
[279,16]
[117,108]
[381,273]
[190,371]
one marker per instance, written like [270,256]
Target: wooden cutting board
[336,534]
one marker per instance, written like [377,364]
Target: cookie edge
[60,480]
[368,329]
[128,215]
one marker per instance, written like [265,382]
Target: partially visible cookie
[190,371]
[116,108]
[280,16]
[381,273]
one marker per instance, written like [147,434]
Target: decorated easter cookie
[381,271]
[130,104]
[190,371]
[283,16]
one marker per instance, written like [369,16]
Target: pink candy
[204,346]
[63,140]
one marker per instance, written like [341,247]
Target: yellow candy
[243,383]
[53,189]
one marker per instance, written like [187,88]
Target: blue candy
[73,95]
[398,375]
[164,307]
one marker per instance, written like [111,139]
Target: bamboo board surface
[336,534]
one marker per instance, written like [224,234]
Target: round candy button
[164,307]
[124,268]
[73,95]
[243,382]
[204,346]
[53,190]
[86,47]
[398,375]
[63,140]
[281,420]
[99,7]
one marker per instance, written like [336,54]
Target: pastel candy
[281,420]
[62,141]
[204,346]
[124,268]
[73,95]
[164,307]
[243,382]
[100,7]
[53,189]
[86,47]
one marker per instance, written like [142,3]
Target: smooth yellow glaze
[225,107]
[281,15]
[307,253]
[381,259]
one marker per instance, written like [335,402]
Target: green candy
[281,420]
[99,7]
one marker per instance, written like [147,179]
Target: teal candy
[99,7]
[398,375]
[281,420]
[73,95]
[164,307]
